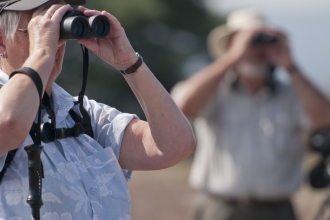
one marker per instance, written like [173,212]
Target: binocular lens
[74,28]
[100,26]
[79,28]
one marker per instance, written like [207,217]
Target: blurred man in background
[248,124]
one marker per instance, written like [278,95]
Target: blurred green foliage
[169,34]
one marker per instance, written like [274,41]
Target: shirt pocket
[107,174]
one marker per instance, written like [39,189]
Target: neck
[254,84]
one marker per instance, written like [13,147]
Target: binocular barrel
[75,25]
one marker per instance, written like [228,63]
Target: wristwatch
[134,67]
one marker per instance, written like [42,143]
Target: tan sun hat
[238,20]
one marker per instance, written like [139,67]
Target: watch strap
[134,67]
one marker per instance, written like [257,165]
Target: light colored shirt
[83,179]
[249,146]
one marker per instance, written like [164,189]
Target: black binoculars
[75,25]
[263,39]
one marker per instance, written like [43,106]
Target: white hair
[9,23]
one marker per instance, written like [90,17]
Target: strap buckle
[75,131]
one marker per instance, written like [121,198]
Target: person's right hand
[240,44]
[44,28]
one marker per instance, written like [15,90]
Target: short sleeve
[109,125]
[177,92]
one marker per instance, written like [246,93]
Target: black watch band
[134,67]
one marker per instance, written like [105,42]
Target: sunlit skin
[161,142]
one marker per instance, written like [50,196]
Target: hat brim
[25,5]
[218,39]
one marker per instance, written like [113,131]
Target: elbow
[188,145]
[177,151]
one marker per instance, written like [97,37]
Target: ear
[2,44]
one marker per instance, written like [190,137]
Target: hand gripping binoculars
[75,25]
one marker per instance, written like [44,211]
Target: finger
[88,12]
[57,13]
[115,24]
[89,43]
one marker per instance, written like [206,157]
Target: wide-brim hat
[25,5]
[243,19]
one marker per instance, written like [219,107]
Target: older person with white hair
[86,171]
[248,124]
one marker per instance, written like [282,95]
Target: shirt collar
[232,83]
[63,102]
[3,77]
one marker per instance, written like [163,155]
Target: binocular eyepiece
[75,25]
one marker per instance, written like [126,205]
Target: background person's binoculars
[75,25]
[263,39]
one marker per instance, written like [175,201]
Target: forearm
[19,102]
[317,105]
[171,133]
[201,86]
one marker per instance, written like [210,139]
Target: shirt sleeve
[109,125]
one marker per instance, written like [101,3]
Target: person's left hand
[115,49]
[279,52]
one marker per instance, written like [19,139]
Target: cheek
[18,54]
[18,58]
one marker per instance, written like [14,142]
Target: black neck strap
[85,76]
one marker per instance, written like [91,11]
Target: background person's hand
[240,43]
[279,53]
[114,49]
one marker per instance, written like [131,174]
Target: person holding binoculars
[94,147]
[248,124]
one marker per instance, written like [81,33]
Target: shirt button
[93,191]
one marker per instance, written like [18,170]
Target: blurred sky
[307,23]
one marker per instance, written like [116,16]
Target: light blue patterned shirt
[83,179]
